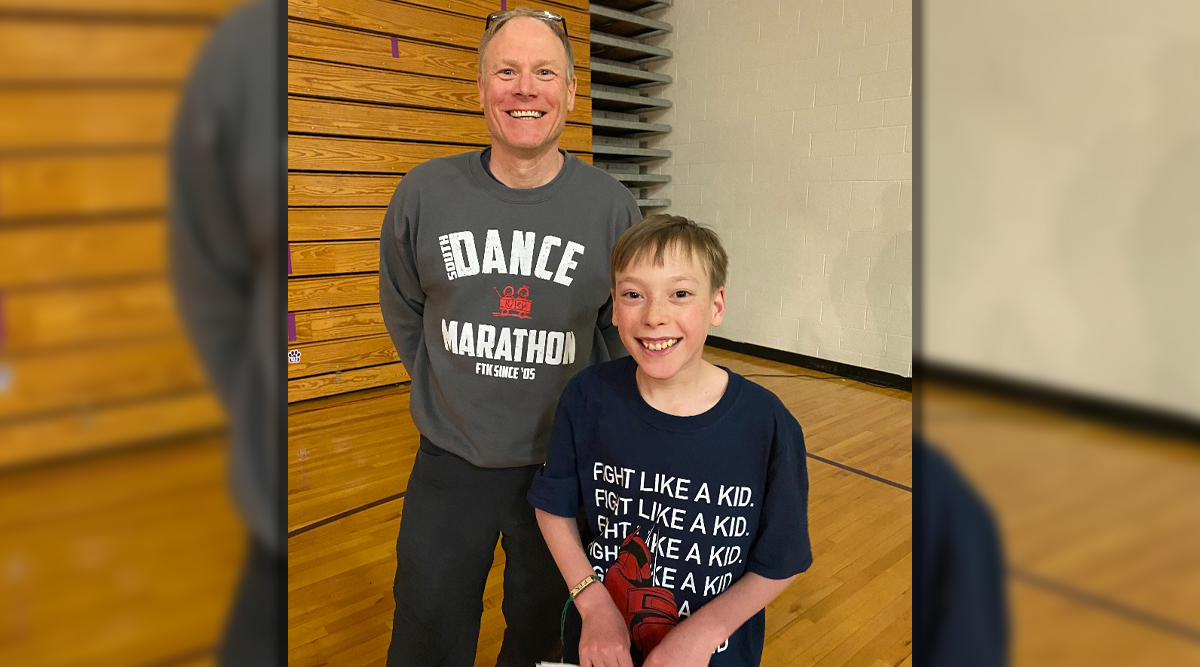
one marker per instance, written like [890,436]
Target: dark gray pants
[453,513]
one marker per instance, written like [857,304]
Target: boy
[692,479]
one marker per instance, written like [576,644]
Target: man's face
[523,88]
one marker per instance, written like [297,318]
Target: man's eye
[545,72]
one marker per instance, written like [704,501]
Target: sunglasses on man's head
[543,15]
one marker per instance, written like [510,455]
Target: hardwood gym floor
[348,463]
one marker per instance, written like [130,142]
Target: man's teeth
[660,346]
[526,114]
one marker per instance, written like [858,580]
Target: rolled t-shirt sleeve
[781,548]
[555,487]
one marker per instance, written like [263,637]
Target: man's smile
[526,113]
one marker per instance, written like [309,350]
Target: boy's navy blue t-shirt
[725,492]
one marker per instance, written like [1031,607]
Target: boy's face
[663,312]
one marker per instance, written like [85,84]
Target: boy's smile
[663,314]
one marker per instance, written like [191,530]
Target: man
[494,287]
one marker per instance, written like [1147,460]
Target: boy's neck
[688,393]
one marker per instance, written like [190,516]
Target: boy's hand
[688,645]
[604,640]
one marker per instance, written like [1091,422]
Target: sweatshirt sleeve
[401,298]
[609,334]
[210,259]
[629,215]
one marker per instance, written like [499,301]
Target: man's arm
[604,641]
[210,266]
[401,298]
[628,216]
[609,333]
[693,641]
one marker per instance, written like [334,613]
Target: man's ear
[718,307]
[479,88]
[571,87]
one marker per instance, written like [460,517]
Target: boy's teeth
[660,346]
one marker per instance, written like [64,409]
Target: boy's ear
[718,307]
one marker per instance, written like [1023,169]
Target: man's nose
[526,84]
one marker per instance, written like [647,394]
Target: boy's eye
[682,294]
[631,294]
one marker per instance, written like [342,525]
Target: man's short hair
[660,233]
[504,17]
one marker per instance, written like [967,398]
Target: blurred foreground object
[227,243]
[118,541]
[960,615]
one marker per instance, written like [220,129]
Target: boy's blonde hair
[661,232]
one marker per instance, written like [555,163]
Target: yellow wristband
[587,581]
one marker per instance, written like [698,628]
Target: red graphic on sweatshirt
[514,303]
[649,610]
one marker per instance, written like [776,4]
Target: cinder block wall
[1060,227]
[792,136]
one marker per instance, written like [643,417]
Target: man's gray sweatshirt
[495,297]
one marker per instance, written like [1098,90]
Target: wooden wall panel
[88,314]
[76,51]
[121,425]
[75,185]
[206,9]
[319,386]
[317,224]
[80,379]
[354,47]
[418,22]
[322,325]
[389,87]
[66,118]
[375,121]
[337,257]
[312,293]
[340,190]
[51,254]
[341,355]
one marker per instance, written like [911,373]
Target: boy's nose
[656,312]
